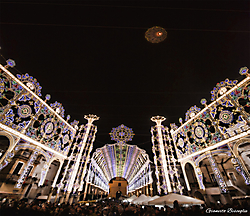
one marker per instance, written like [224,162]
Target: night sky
[94,59]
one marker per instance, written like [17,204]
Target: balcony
[12,178]
[9,178]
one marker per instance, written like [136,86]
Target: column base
[67,197]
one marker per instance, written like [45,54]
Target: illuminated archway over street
[120,160]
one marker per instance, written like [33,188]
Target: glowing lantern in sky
[156,34]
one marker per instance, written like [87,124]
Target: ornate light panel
[227,116]
[122,134]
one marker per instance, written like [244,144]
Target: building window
[29,170]
[119,184]
[26,154]
[17,168]
[232,176]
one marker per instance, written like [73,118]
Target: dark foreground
[114,208]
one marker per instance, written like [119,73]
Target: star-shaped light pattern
[122,134]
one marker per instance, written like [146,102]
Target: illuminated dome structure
[120,160]
[156,34]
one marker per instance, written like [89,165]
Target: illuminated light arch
[4,145]
[210,157]
[28,116]
[5,159]
[120,160]
[239,161]
[9,136]
[238,143]
[25,116]
[213,152]
[11,139]
[219,128]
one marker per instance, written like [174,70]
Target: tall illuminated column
[87,184]
[26,170]
[158,120]
[217,174]
[91,119]
[54,182]
[85,168]
[151,189]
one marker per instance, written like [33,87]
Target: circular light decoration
[221,88]
[226,116]
[203,101]
[24,111]
[65,139]
[243,71]
[156,34]
[48,128]
[199,132]
[121,134]
[31,83]
[58,108]
[47,97]
[181,142]
[191,113]
[11,63]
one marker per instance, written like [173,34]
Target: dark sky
[93,56]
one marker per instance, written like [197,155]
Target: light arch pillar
[54,182]
[10,153]
[185,176]
[199,177]
[238,162]
[218,176]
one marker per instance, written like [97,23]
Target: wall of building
[114,186]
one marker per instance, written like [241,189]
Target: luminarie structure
[37,143]
[120,160]
[211,145]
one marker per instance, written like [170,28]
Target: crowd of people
[114,208]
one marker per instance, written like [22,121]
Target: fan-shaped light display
[120,160]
